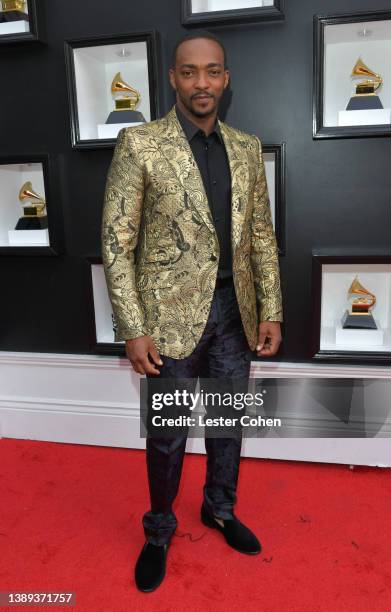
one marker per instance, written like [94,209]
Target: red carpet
[70,521]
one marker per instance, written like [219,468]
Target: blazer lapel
[177,152]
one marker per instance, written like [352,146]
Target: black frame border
[279,151]
[99,348]
[318,260]
[319,131]
[231,16]
[36,27]
[54,213]
[153,58]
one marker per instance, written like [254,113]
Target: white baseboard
[88,399]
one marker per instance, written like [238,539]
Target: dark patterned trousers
[222,352]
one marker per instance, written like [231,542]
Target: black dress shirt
[211,157]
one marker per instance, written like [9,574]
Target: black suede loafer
[237,535]
[151,567]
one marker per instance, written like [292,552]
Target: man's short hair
[194,35]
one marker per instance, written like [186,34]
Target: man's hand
[269,338]
[137,351]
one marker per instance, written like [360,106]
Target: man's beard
[197,113]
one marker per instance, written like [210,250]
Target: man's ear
[226,79]
[171,75]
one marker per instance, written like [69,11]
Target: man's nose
[202,81]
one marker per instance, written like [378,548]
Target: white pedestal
[14,27]
[110,130]
[202,6]
[378,116]
[106,337]
[28,237]
[358,337]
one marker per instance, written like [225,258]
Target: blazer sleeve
[264,250]
[122,211]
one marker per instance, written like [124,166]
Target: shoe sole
[213,525]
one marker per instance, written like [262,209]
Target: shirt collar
[191,129]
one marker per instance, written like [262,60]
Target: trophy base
[32,223]
[125,116]
[358,321]
[364,102]
[8,16]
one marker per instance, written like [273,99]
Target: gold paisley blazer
[160,250]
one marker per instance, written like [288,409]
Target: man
[191,265]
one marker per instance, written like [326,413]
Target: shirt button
[214,182]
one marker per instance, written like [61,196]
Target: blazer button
[213,257]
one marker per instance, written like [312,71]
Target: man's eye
[214,72]
[187,73]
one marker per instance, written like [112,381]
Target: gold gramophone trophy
[127,100]
[34,215]
[365,97]
[13,10]
[362,300]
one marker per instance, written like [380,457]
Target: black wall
[338,191]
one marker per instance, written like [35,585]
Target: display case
[20,21]
[274,160]
[220,12]
[101,313]
[112,83]
[351,307]
[28,216]
[352,75]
